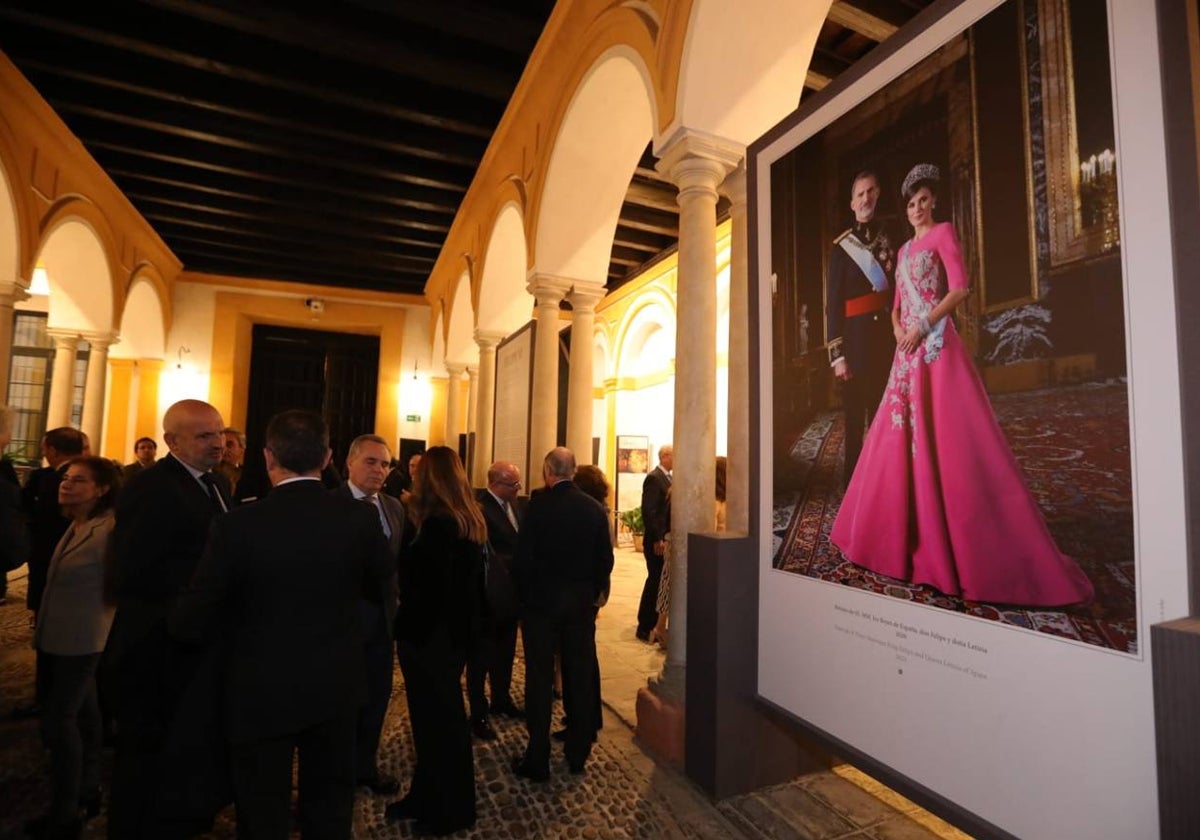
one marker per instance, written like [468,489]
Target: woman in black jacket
[441,594]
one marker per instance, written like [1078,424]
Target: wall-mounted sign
[413,418]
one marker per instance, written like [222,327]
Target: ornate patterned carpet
[1073,445]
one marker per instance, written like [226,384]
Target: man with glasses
[497,643]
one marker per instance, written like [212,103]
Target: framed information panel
[514,390]
[971,515]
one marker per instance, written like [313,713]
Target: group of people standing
[934,494]
[232,637]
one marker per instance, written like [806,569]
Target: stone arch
[743,65]
[504,305]
[437,358]
[606,126]
[10,229]
[81,276]
[143,327]
[648,330]
[149,273]
[460,333]
[601,353]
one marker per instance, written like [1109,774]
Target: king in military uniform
[858,330]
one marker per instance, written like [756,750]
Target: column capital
[734,185]
[585,296]
[101,339]
[489,338]
[548,289]
[697,160]
[63,336]
[12,292]
[455,370]
[472,371]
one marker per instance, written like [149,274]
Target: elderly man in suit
[656,514]
[163,517]
[283,578]
[366,469]
[496,645]
[563,562]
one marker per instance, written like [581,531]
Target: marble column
[737,479]
[580,385]
[10,293]
[697,164]
[62,377]
[454,406]
[472,410]
[548,291]
[485,409]
[472,396]
[93,388]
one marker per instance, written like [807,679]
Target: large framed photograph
[970,421]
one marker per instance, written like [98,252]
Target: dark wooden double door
[334,374]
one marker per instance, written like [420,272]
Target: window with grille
[29,385]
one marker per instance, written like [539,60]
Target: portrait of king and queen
[963,342]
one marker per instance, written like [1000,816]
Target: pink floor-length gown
[937,497]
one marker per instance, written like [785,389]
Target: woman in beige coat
[72,627]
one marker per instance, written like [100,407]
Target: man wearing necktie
[496,645]
[169,778]
[367,467]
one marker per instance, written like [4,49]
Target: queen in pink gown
[937,497]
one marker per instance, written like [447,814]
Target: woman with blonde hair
[441,603]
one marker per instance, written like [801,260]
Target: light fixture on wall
[182,350]
[39,284]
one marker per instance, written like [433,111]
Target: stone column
[737,479]
[454,407]
[93,389]
[62,377]
[485,414]
[580,386]
[543,426]
[472,410]
[472,396]
[10,293]
[697,164]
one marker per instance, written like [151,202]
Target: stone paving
[624,793]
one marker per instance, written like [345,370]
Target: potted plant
[633,522]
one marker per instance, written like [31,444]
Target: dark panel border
[1178,37]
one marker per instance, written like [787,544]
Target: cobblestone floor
[624,793]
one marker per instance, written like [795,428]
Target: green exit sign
[413,418]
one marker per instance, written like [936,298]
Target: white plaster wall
[192,327]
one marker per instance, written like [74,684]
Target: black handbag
[499,588]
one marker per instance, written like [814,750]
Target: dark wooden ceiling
[322,143]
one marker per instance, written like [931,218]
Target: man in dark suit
[40,500]
[656,515]
[366,468]
[163,517]
[858,329]
[496,644]
[145,453]
[563,562]
[283,578]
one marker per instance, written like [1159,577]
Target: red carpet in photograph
[1073,445]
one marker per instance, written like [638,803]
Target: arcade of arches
[132,330]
